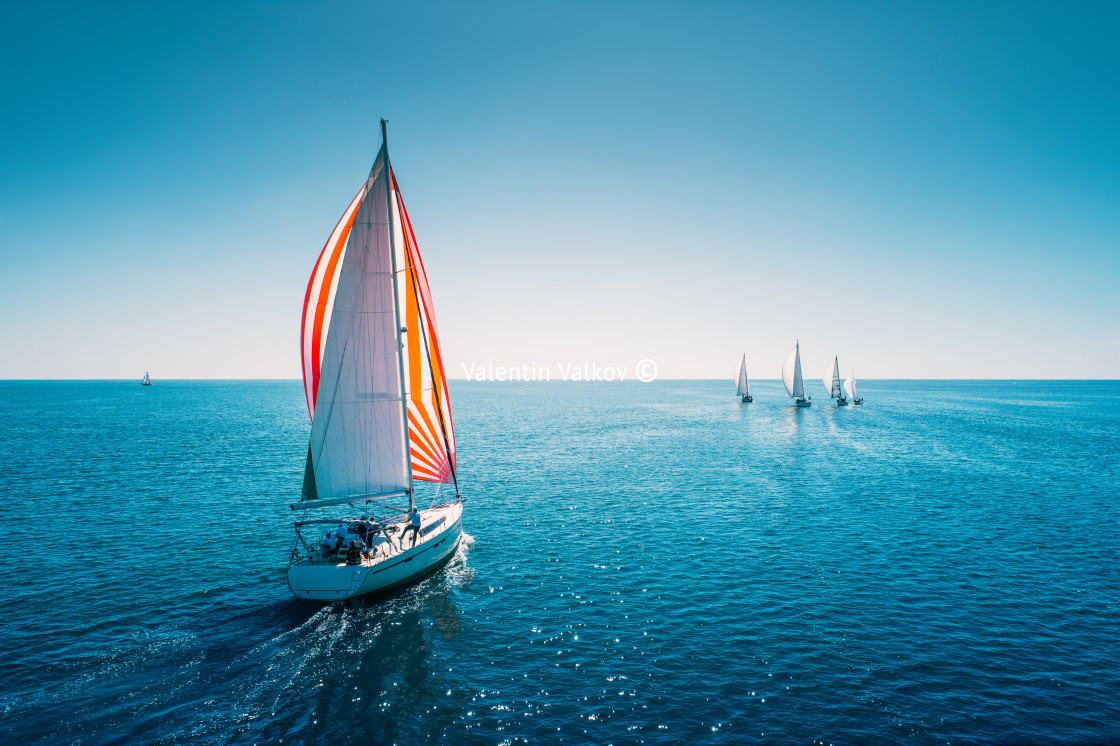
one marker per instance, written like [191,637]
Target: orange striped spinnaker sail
[430,429]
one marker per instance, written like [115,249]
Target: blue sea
[645,563]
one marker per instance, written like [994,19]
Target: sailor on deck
[370,532]
[414,522]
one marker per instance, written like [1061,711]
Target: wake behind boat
[380,413]
[791,377]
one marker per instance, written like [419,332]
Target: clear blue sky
[926,189]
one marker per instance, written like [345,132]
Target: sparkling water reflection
[645,564]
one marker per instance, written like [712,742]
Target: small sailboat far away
[147,381]
[791,376]
[380,413]
[831,383]
[850,389]
[744,389]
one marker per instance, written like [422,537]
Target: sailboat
[831,383]
[744,389]
[381,422]
[850,389]
[147,381]
[791,376]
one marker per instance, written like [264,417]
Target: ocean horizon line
[556,380]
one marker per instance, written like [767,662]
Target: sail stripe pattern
[318,302]
[431,431]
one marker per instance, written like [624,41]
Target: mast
[397,311]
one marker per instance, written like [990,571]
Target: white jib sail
[850,387]
[853,395]
[798,382]
[742,390]
[357,435]
[787,370]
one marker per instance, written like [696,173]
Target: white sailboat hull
[319,581]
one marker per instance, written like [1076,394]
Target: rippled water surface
[646,563]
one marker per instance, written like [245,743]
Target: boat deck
[395,539]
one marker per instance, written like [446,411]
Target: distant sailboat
[147,381]
[831,383]
[744,389]
[791,376]
[380,413]
[850,389]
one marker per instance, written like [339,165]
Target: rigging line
[397,307]
[431,368]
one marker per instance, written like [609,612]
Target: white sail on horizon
[743,389]
[791,373]
[831,379]
[787,370]
[798,381]
[850,387]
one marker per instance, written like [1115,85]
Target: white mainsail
[358,435]
[743,389]
[853,394]
[798,382]
[791,373]
[850,387]
[831,379]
